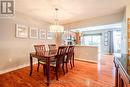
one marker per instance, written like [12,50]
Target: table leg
[31,65]
[73,59]
[48,70]
[116,77]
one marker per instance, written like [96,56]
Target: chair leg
[71,64]
[63,69]
[44,68]
[66,67]
[38,66]
[56,70]
[53,68]
[73,59]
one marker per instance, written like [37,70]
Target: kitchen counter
[86,53]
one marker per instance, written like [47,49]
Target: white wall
[124,34]
[124,27]
[15,51]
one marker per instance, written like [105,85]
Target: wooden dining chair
[52,46]
[38,49]
[72,53]
[69,57]
[59,61]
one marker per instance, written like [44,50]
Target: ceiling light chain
[56,16]
[56,27]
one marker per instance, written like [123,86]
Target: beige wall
[108,19]
[58,36]
[15,51]
[128,9]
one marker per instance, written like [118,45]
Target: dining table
[43,55]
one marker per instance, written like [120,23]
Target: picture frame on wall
[42,33]
[49,35]
[21,31]
[33,32]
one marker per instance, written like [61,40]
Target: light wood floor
[84,74]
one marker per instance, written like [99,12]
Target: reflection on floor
[84,74]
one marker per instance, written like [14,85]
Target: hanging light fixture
[56,27]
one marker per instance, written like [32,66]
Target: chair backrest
[61,54]
[72,49]
[52,46]
[39,48]
[70,53]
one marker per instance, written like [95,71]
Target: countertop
[80,45]
[85,46]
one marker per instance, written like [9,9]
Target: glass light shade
[56,28]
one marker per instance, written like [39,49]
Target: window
[91,39]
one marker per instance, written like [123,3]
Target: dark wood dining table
[45,55]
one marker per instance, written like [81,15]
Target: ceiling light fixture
[56,27]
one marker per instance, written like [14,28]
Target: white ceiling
[69,10]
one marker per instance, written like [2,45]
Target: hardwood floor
[84,74]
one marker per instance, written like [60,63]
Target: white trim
[15,68]
[91,61]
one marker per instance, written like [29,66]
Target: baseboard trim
[25,65]
[15,68]
[85,60]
